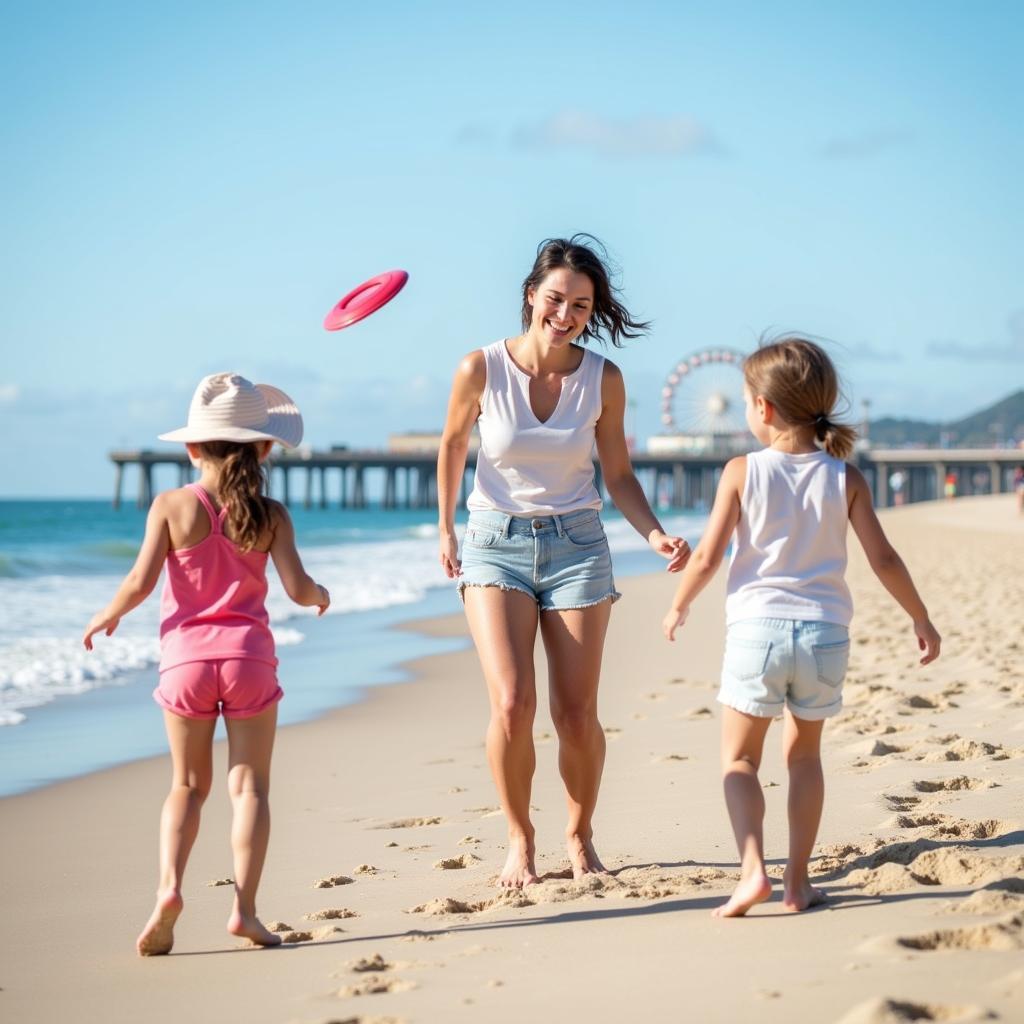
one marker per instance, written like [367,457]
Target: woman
[535,553]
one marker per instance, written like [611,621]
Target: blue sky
[188,188]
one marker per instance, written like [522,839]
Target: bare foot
[249,926]
[800,897]
[750,891]
[519,869]
[157,937]
[583,857]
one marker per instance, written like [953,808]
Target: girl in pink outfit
[216,649]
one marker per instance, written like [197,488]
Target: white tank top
[525,467]
[789,553]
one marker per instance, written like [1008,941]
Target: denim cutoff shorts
[562,562]
[770,664]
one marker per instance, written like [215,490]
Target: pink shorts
[240,688]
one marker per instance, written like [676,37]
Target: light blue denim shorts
[562,562]
[770,664]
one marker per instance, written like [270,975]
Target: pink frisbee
[366,299]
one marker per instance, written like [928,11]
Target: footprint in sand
[956,784]
[409,823]
[291,935]
[365,869]
[902,866]
[370,963]
[899,1011]
[883,749]
[468,841]
[484,812]
[221,881]
[920,820]
[901,803]
[1003,896]
[443,906]
[1004,935]
[917,702]
[331,881]
[331,914]
[697,714]
[942,826]
[467,860]
[959,749]
[669,758]
[375,985]
[653,883]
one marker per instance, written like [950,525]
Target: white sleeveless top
[525,467]
[789,553]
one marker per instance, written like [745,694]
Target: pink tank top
[214,600]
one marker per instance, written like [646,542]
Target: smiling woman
[535,555]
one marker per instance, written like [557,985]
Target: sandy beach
[386,842]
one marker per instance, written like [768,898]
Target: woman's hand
[675,549]
[674,618]
[325,599]
[101,622]
[449,554]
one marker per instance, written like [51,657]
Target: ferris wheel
[703,394]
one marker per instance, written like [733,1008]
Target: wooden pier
[409,479]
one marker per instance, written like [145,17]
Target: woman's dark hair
[584,254]
[798,378]
[243,487]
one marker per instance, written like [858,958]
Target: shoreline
[393,791]
[384,640]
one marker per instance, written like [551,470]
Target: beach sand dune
[921,849]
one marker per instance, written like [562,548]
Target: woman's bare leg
[742,743]
[574,641]
[503,624]
[191,743]
[250,745]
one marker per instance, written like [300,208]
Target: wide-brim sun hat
[227,407]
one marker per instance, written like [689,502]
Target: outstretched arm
[887,564]
[463,411]
[619,478]
[297,583]
[139,583]
[725,514]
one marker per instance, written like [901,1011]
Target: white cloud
[9,394]
[867,144]
[679,135]
[1011,349]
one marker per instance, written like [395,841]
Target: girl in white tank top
[786,508]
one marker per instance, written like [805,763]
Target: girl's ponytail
[836,438]
[242,490]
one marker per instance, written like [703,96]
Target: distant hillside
[1003,421]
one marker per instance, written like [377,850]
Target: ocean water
[65,711]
